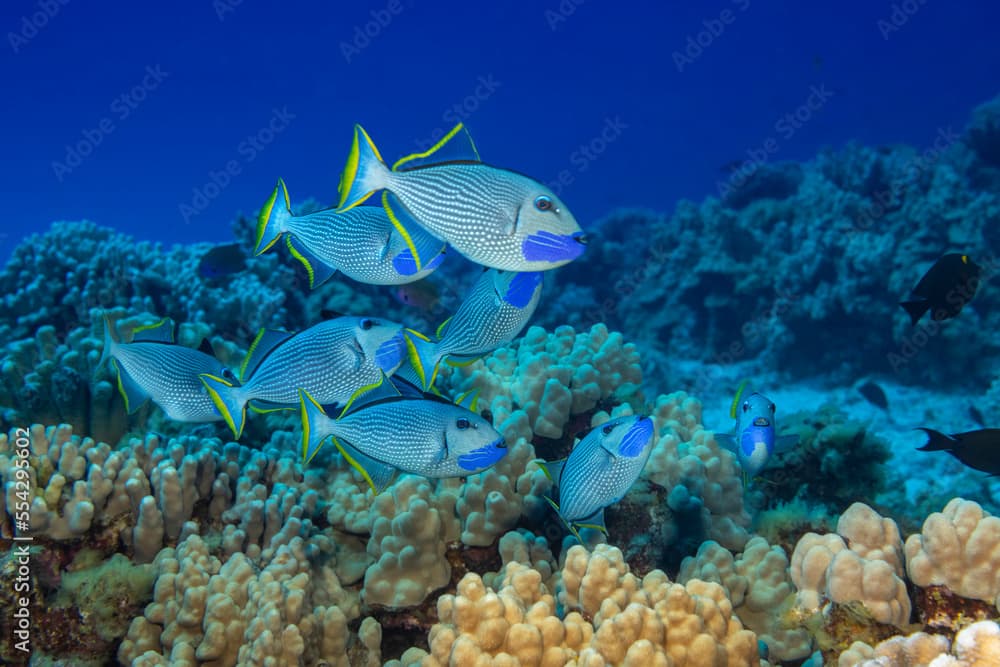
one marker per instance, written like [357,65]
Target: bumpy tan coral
[867,568]
[703,478]
[610,617]
[977,645]
[758,584]
[958,548]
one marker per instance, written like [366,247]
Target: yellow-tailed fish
[599,471]
[330,360]
[153,367]
[383,432]
[361,242]
[493,314]
[495,217]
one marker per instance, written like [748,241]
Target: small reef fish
[222,261]
[754,441]
[330,360]
[494,313]
[362,243]
[153,367]
[945,289]
[874,394]
[492,216]
[383,431]
[976,449]
[599,471]
[424,295]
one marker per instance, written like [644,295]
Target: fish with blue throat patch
[382,431]
[494,217]
[330,360]
[154,367]
[599,471]
[495,311]
[362,243]
[754,441]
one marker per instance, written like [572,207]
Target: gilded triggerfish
[153,367]
[361,242]
[331,360]
[494,217]
[382,432]
[945,288]
[976,449]
[599,471]
[494,313]
[754,441]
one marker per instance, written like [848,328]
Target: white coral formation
[549,377]
[292,611]
[409,538]
[702,478]
[610,616]
[958,548]
[866,568]
[758,585]
[976,645]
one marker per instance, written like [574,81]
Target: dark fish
[976,449]
[874,394]
[222,260]
[945,288]
[976,415]
[423,295]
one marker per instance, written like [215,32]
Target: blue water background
[534,82]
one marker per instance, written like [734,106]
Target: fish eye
[367,324]
[608,428]
[746,406]
[543,203]
[462,423]
[228,374]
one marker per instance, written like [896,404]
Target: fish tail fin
[569,525]
[424,357]
[364,173]
[937,441]
[273,218]
[315,425]
[230,402]
[109,340]
[915,309]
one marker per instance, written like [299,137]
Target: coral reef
[796,262]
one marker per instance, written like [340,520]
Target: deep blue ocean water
[166,120]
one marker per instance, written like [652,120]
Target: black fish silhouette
[874,394]
[976,449]
[945,288]
[222,260]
